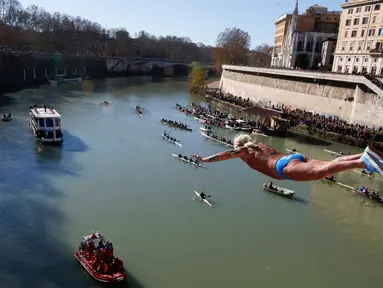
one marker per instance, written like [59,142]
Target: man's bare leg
[348,158]
[316,170]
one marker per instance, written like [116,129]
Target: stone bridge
[118,64]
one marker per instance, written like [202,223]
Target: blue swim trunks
[282,163]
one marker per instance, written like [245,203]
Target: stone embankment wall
[353,102]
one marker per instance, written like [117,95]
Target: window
[49,122]
[57,122]
[339,68]
[360,45]
[358,10]
[369,44]
[344,44]
[356,59]
[367,9]
[380,32]
[348,59]
[353,33]
[365,59]
[350,11]
[371,32]
[356,21]
[355,69]
[362,33]
[345,34]
[377,7]
[352,46]
[41,122]
[373,19]
[365,20]
[348,22]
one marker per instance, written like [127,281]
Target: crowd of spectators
[314,122]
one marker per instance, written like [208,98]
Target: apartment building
[302,35]
[360,40]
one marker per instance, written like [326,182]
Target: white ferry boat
[46,124]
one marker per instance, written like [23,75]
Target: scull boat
[332,152]
[279,190]
[175,126]
[171,141]
[188,161]
[291,151]
[365,174]
[202,200]
[217,140]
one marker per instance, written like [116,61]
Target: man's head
[243,140]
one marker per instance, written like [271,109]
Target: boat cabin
[46,118]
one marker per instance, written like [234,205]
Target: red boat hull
[105,278]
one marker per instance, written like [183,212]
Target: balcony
[376,52]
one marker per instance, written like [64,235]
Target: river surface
[116,174]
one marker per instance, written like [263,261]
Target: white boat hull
[219,141]
[187,161]
[171,141]
[202,200]
[204,129]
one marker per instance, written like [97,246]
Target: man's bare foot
[373,156]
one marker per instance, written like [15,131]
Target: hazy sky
[200,20]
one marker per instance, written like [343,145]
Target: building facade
[298,38]
[328,50]
[360,40]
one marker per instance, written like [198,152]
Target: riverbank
[24,70]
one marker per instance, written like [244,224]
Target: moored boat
[95,254]
[368,175]
[205,129]
[278,190]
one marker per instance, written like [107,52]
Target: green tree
[196,78]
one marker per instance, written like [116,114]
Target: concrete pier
[350,97]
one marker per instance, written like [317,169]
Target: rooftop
[45,113]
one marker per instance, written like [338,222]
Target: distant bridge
[118,64]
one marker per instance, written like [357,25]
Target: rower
[202,195]
[271,185]
[341,153]
[294,150]
[180,155]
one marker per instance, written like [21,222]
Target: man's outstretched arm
[222,156]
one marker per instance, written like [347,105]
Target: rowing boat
[188,161]
[202,200]
[207,136]
[175,126]
[332,152]
[171,141]
[378,200]
[204,129]
[371,176]
[279,190]
[229,127]
[139,111]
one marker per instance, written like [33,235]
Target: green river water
[115,174]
